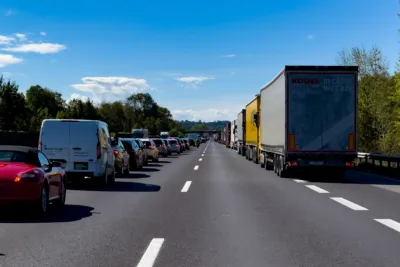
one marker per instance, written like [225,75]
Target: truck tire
[262,162]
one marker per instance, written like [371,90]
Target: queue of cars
[74,151]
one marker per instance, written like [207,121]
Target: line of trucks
[305,118]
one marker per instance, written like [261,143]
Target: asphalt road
[218,211]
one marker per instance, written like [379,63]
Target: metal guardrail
[379,163]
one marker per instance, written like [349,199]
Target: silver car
[175,147]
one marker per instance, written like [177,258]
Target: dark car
[144,151]
[135,153]
[192,142]
[27,176]
[121,157]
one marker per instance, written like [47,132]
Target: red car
[26,175]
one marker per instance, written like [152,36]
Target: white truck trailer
[233,134]
[309,119]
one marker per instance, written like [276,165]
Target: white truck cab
[83,147]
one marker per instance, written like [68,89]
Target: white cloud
[9,13]
[43,33]
[310,36]
[193,80]
[205,114]
[41,48]
[21,36]
[111,88]
[8,60]
[6,39]
[229,55]
[78,97]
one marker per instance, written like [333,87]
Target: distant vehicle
[162,148]
[175,146]
[152,151]
[83,147]
[28,176]
[136,157]
[164,135]
[122,161]
[140,133]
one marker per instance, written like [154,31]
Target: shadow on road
[164,161]
[122,186]
[2,255]
[174,157]
[147,169]
[133,175]
[155,165]
[69,213]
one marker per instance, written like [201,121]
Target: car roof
[25,149]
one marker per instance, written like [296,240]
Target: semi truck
[227,134]
[252,134]
[308,120]
[233,135]
[240,132]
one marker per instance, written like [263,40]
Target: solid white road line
[389,223]
[200,159]
[299,181]
[186,187]
[196,167]
[202,155]
[151,253]
[348,203]
[317,189]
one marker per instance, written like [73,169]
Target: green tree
[13,111]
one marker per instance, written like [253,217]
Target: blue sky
[201,59]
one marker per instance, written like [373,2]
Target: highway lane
[238,214]
[210,208]
[100,228]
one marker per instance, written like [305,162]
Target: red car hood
[8,170]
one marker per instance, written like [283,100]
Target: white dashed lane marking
[299,181]
[186,187]
[202,155]
[149,257]
[389,223]
[196,167]
[200,159]
[317,189]
[348,203]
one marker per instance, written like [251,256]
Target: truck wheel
[262,163]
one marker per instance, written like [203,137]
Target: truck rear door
[322,111]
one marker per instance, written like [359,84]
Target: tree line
[25,112]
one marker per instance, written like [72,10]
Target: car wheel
[61,201]
[43,204]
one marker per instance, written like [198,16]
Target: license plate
[316,162]
[81,166]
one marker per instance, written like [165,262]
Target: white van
[83,147]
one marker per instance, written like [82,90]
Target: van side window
[104,138]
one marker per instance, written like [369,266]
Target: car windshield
[172,141]
[147,143]
[157,141]
[12,156]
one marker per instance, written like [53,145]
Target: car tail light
[177,145]
[349,164]
[98,151]
[28,176]
[116,152]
